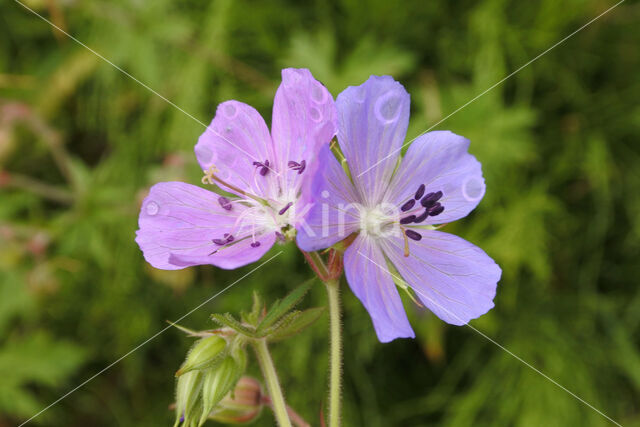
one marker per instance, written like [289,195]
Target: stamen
[264,167]
[210,178]
[226,238]
[413,235]
[422,216]
[406,245]
[408,205]
[225,203]
[408,219]
[436,210]
[420,192]
[297,166]
[430,199]
[283,210]
[255,244]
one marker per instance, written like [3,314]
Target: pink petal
[236,138]
[178,223]
[333,216]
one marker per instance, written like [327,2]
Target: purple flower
[393,206]
[183,225]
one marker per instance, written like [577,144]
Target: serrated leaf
[280,308]
[298,323]
[228,320]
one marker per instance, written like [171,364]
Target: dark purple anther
[408,219]
[225,203]
[297,166]
[283,210]
[408,205]
[420,192]
[255,244]
[413,235]
[227,238]
[430,199]
[422,216]
[436,210]
[264,167]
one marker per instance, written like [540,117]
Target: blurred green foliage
[80,143]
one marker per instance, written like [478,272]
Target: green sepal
[221,380]
[299,321]
[205,353]
[228,320]
[188,389]
[281,307]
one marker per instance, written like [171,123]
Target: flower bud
[187,392]
[242,405]
[218,381]
[204,353]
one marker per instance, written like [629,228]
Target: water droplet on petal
[315,114]
[203,153]
[473,189]
[325,194]
[388,106]
[318,93]
[152,208]
[230,111]
[359,94]
[290,78]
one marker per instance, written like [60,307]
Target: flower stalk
[335,352]
[330,276]
[273,385]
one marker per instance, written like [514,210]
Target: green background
[80,143]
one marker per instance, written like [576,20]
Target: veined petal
[236,138]
[334,213]
[240,253]
[368,277]
[455,279]
[372,124]
[304,120]
[182,220]
[441,162]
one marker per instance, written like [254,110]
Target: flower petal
[440,160]
[304,119]
[236,138]
[372,124]
[333,215]
[455,279]
[369,279]
[182,220]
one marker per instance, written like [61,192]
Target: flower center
[376,222]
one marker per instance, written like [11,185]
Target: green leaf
[280,308]
[300,321]
[228,320]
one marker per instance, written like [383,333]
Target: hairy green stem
[273,385]
[335,352]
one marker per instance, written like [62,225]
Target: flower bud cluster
[210,372]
